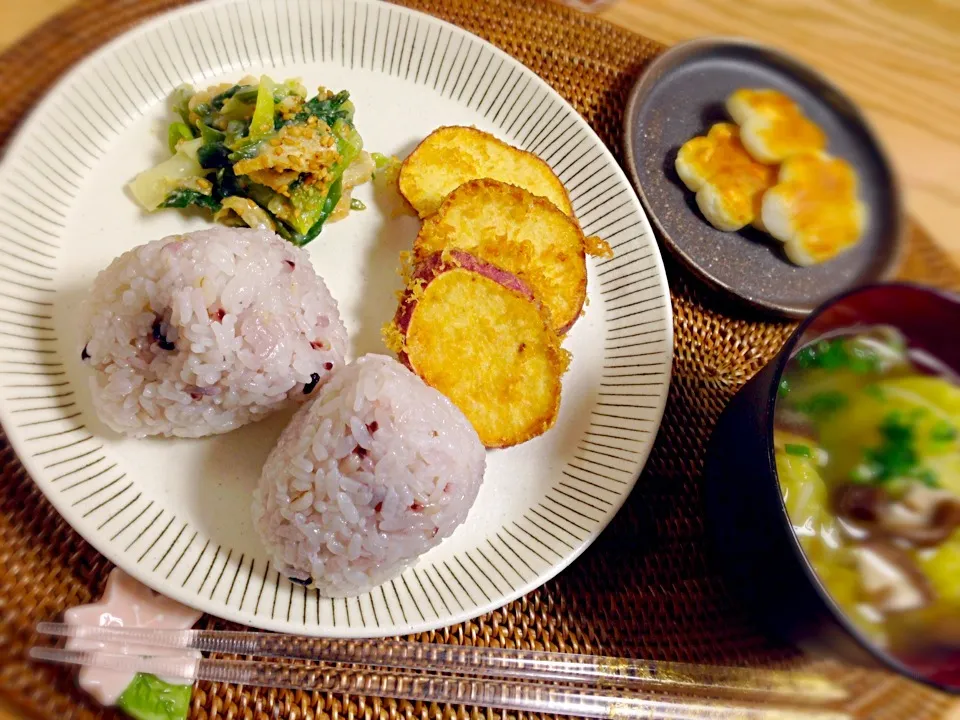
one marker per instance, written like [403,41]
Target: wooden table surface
[899,59]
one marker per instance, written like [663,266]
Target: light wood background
[899,59]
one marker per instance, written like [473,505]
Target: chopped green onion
[831,354]
[806,357]
[783,389]
[799,450]
[862,360]
[823,404]
[357,204]
[838,353]
[896,457]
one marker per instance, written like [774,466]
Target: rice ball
[377,470]
[199,334]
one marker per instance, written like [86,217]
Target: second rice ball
[377,470]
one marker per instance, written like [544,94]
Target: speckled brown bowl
[680,95]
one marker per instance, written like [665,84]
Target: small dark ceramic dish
[679,96]
[748,521]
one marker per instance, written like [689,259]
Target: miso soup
[867,439]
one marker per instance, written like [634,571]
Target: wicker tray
[647,587]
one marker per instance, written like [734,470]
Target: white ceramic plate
[176,513]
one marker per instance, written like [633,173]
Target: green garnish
[799,450]
[357,204]
[860,359]
[150,698]
[896,457]
[943,431]
[836,354]
[783,389]
[822,405]
[825,354]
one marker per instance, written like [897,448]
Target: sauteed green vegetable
[262,154]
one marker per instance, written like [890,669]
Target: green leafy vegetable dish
[262,154]
[867,444]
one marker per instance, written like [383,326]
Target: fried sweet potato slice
[515,230]
[477,334]
[451,156]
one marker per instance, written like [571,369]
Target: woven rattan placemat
[647,587]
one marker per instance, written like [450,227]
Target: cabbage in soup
[867,439]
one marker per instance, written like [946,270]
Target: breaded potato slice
[515,230]
[477,334]
[451,156]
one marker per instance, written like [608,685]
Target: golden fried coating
[729,183]
[519,232]
[451,156]
[476,333]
